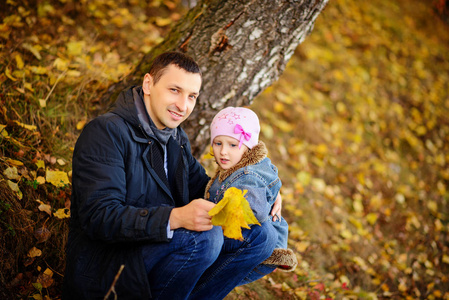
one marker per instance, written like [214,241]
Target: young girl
[243,163]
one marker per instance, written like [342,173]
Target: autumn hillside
[358,125]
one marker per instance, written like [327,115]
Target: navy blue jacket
[120,203]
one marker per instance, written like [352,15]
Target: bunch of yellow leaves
[232,213]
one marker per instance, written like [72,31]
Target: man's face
[171,100]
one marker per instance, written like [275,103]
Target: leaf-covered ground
[358,126]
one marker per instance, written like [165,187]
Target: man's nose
[181,104]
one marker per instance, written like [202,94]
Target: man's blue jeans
[204,265]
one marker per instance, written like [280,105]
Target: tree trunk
[242,47]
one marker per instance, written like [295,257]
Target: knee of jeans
[211,243]
[266,237]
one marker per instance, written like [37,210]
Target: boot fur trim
[284,259]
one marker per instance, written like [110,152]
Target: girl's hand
[276,209]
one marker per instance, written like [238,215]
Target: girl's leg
[236,260]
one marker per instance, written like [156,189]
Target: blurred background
[358,126]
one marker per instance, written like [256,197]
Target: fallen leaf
[46,278]
[9,75]
[161,22]
[28,86]
[75,48]
[11,173]
[42,234]
[372,218]
[445,259]
[3,131]
[19,61]
[38,70]
[61,64]
[40,180]
[34,252]
[62,214]
[15,188]
[80,124]
[44,207]
[302,246]
[57,178]
[40,164]
[26,126]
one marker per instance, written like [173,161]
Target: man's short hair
[179,59]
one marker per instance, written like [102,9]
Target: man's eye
[174,90]
[193,97]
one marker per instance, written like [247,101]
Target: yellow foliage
[15,188]
[61,213]
[57,178]
[75,48]
[232,213]
[19,61]
[40,164]
[80,124]
[26,126]
[11,173]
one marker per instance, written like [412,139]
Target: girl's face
[226,151]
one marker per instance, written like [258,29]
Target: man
[137,201]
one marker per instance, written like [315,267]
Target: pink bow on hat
[239,129]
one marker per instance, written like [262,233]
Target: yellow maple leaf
[232,213]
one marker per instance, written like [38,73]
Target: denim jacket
[256,174]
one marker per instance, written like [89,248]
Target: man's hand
[193,216]
[276,209]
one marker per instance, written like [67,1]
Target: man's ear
[147,83]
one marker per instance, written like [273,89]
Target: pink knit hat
[237,122]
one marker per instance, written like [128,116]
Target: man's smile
[175,114]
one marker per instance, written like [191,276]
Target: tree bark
[242,47]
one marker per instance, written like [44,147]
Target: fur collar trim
[250,157]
